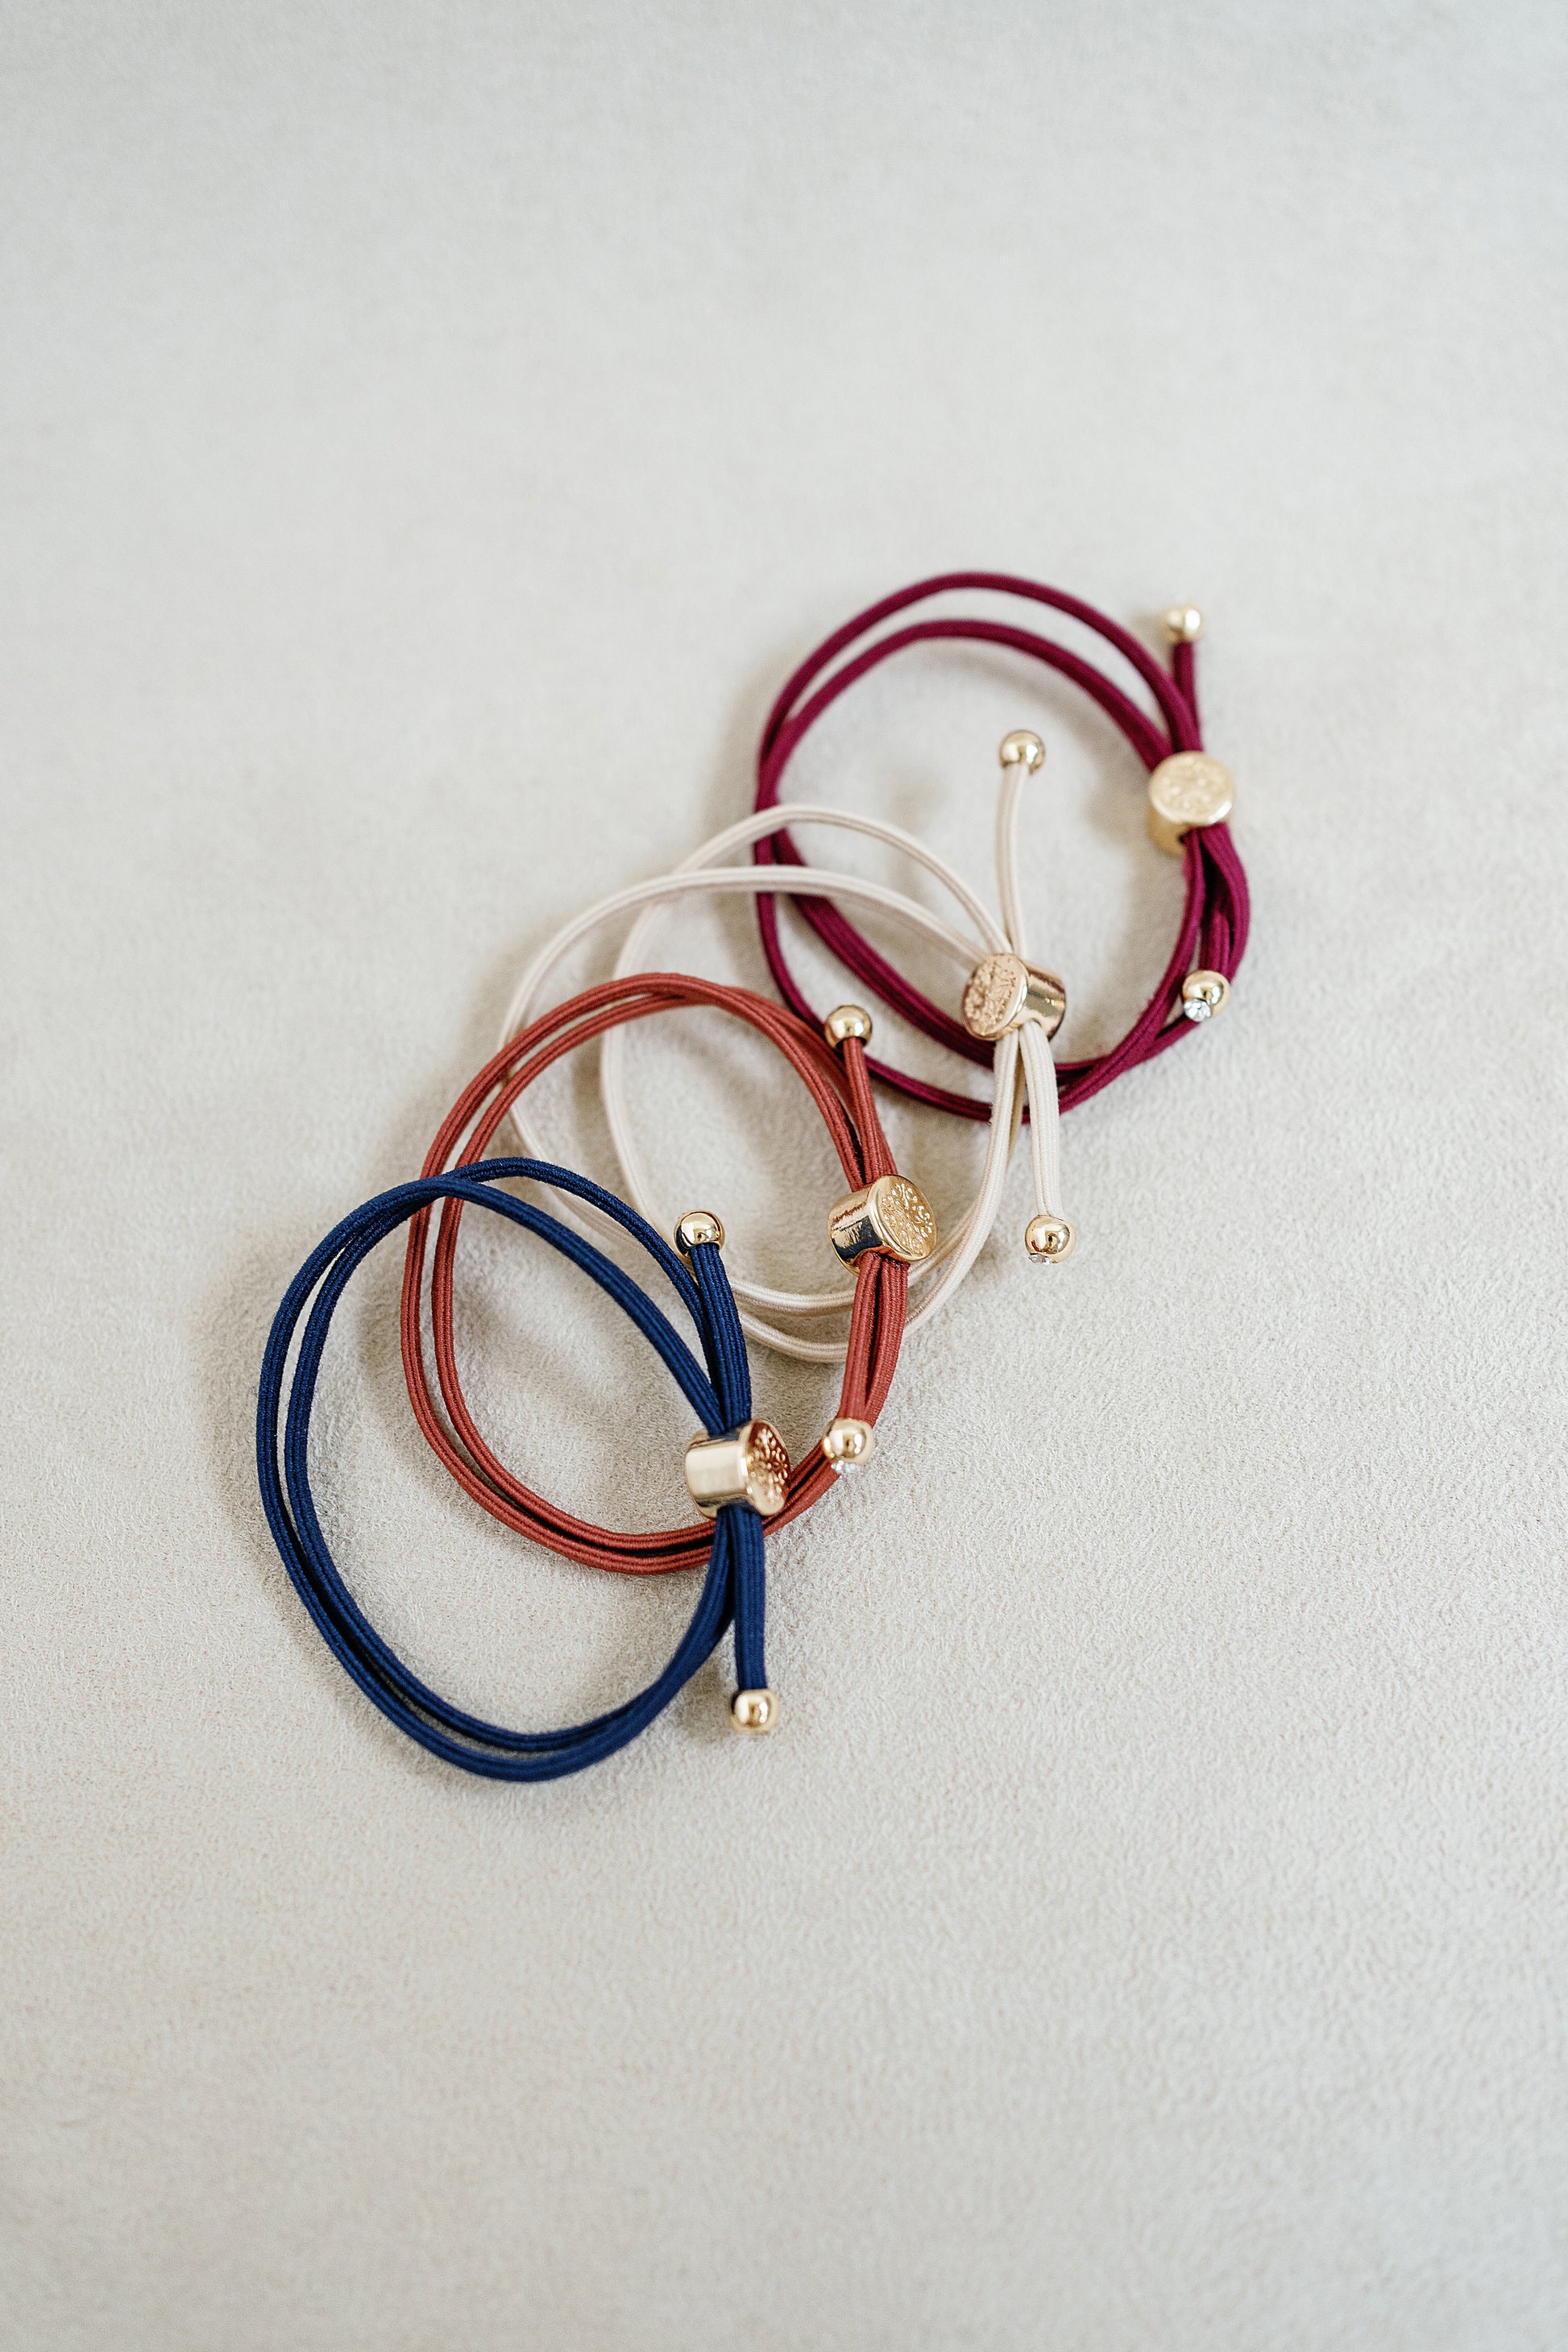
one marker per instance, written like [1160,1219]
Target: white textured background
[429,435]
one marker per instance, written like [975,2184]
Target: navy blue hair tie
[734,1586]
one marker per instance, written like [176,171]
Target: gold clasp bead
[1187,792]
[1002,991]
[892,1214]
[750,1465]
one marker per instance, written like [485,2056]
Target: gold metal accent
[755,1710]
[698,1225]
[847,1021]
[750,1465]
[1204,994]
[1183,624]
[891,1214]
[1186,791]
[1002,991]
[1049,1239]
[848,1444]
[1021,744]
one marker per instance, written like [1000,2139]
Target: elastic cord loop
[870,1355]
[721,1398]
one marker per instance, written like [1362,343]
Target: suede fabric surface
[431,436]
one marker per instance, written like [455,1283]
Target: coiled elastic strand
[841,1091]
[1020,1060]
[734,1588]
[1215,920]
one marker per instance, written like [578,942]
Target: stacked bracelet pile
[878,1226]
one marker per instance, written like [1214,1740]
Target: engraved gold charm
[892,1214]
[750,1465]
[1187,791]
[1002,991]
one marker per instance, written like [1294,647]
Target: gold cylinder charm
[750,1465]
[1187,792]
[1004,992]
[848,1444]
[892,1214]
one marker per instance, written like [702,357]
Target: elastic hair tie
[838,1085]
[1018,1038]
[1190,798]
[733,1471]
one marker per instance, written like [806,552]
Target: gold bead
[755,1710]
[848,1444]
[1049,1239]
[750,1465]
[1021,744]
[1186,791]
[847,1021]
[698,1225]
[1002,991]
[1183,624]
[891,1214]
[1204,994]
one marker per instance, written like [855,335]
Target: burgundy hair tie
[1187,787]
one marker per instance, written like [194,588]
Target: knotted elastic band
[734,1587]
[1215,916]
[838,1086]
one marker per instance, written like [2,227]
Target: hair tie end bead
[1183,624]
[1022,747]
[1204,994]
[754,1710]
[849,1445]
[848,1021]
[1048,1240]
[696,1226]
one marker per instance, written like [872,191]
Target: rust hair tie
[1189,801]
[838,1085]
